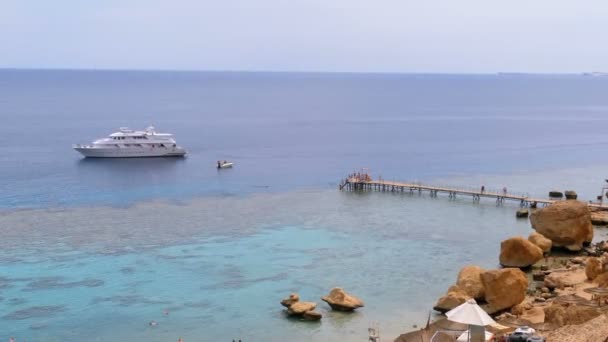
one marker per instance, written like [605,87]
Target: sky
[448,36]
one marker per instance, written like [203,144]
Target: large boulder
[299,308]
[519,252]
[293,298]
[593,268]
[541,241]
[504,288]
[452,299]
[566,223]
[469,281]
[339,300]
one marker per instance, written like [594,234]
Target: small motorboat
[224,164]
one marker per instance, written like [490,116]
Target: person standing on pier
[483,188]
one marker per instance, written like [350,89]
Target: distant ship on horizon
[595,73]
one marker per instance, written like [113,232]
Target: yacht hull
[100,152]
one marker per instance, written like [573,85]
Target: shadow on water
[122,166]
[131,164]
[137,171]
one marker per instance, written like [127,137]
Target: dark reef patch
[16,301]
[127,270]
[58,283]
[129,300]
[34,312]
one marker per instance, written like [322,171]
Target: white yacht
[127,143]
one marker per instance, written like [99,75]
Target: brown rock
[577,260]
[518,309]
[601,280]
[555,314]
[540,241]
[469,281]
[535,315]
[452,299]
[593,268]
[566,223]
[339,300]
[312,316]
[519,252]
[300,308]
[293,298]
[565,278]
[593,330]
[538,276]
[504,288]
[572,314]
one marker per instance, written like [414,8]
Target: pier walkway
[367,184]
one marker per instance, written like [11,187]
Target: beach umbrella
[470,313]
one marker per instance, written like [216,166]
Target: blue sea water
[95,249]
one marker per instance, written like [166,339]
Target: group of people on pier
[504,190]
[359,177]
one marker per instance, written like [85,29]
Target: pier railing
[367,184]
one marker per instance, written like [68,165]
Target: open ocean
[94,249]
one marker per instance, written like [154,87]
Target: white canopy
[465,336]
[469,313]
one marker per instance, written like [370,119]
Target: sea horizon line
[313,72]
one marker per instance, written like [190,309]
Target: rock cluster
[566,223]
[339,300]
[304,310]
[500,289]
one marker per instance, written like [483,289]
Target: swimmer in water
[153,323]
[12,339]
[166,312]
[180,340]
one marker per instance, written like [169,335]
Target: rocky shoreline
[544,282]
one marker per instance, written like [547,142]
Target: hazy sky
[302,35]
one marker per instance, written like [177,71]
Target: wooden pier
[367,184]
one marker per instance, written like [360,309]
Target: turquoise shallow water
[219,266]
